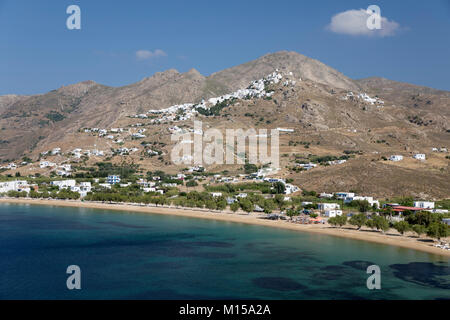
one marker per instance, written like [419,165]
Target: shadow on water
[423,273]
[358,264]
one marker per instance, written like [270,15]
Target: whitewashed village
[259,190]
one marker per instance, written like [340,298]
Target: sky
[122,42]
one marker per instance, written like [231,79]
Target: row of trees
[421,223]
[62,194]
[193,199]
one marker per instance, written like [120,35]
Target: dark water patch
[164,265]
[213,255]
[358,264]
[266,250]
[333,272]
[277,283]
[124,225]
[344,275]
[423,273]
[213,244]
[151,245]
[181,253]
[334,268]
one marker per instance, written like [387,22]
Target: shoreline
[254,219]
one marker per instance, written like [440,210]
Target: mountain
[332,115]
[302,66]
[29,122]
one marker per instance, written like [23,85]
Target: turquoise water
[126,255]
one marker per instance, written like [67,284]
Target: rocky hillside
[364,121]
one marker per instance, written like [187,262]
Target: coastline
[254,219]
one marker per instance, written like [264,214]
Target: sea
[50,252]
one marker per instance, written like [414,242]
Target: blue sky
[38,53]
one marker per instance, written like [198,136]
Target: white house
[396,158]
[56,151]
[216,194]
[11,166]
[124,185]
[46,164]
[98,153]
[18,185]
[62,173]
[290,188]
[332,213]
[325,195]
[419,156]
[112,179]
[65,170]
[231,200]
[84,188]
[285,130]
[424,204]
[328,206]
[343,195]
[66,167]
[307,166]
[64,184]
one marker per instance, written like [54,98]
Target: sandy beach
[391,238]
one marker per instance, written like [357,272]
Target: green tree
[279,201]
[191,183]
[333,221]
[424,218]
[221,203]
[437,230]
[363,206]
[246,205]
[371,223]
[402,227]
[358,220]
[269,206]
[250,168]
[388,211]
[279,187]
[419,229]
[290,212]
[341,220]
[381,223]
[234,206]
[211,204]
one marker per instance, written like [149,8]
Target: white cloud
[354,23]
[146,54]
